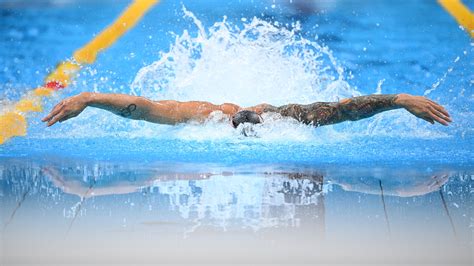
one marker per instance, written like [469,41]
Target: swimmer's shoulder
[229,108]
[263,108]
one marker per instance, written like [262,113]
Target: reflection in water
[219,200]
[176,200]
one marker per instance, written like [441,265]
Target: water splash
[256,62]
[442,79]
[261,62]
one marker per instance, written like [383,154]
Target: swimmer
[316,114]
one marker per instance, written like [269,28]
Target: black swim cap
[246,116]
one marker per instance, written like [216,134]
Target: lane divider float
[461,13]
[13,122]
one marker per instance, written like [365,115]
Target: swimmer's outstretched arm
[138,108]
[356,108]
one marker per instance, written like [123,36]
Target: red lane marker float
[13,117]
[54,85]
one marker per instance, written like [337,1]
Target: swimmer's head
[246,116]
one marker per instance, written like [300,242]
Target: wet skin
[316,114]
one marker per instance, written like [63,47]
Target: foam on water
[260,62]
[257,62]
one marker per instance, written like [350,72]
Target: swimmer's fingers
[53,112]
[440,114]
[427,119]
[438,119]
[56,118]
[439,108]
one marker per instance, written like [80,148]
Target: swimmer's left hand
[424,108]
[66,109]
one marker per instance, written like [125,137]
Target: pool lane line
[446,210]
[385,209]
[17,207]
[19,203]
[79,206]
[445,206]
[14,123]
[461,13]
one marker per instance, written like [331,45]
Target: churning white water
[259,62]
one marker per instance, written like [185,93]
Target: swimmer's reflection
[294,186]
[292,200]
[122,186]
[393,183]
[278,199]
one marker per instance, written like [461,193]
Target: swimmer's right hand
[67,108]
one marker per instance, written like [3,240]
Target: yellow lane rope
[13,121]
[461,13]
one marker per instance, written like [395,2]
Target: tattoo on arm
[325,113]
[127,111]
[366,106]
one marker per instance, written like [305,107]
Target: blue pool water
[187,52]
[388,181]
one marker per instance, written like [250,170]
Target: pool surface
[57,211]
[102,189]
